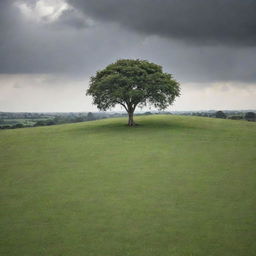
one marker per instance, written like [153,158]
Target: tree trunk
[130,120]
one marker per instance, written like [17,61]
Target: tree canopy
[220,114]
[133,83]
[250,116]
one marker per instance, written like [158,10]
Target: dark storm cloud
[80,41]
[201,63]
[200,21]
[6,16]
[69,45]
[72,18]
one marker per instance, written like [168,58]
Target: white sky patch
[57,93]
[43,10]
[216,96]
[44,93]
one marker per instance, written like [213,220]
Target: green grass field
[174,186]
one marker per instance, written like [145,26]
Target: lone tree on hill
[133,83]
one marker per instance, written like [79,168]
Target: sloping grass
[177,186]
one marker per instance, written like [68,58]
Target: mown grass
[170,186]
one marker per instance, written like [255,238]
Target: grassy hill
[177,186]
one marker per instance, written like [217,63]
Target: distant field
[172,186]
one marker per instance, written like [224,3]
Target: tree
[220,114]
[19,125]
[250,116]
[133,83]
[236,117]
[90,116]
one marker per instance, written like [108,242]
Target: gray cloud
[73,18]
[68,45]
[202,63]
[80,41]
[201,21]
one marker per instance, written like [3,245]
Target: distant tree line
[66,119]
[21,120]
[234,115]
[46,121]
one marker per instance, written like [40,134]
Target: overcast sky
[50,48]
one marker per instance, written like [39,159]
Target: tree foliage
[250,116]
[220,114]
[133,83]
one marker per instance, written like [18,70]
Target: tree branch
[123,105]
